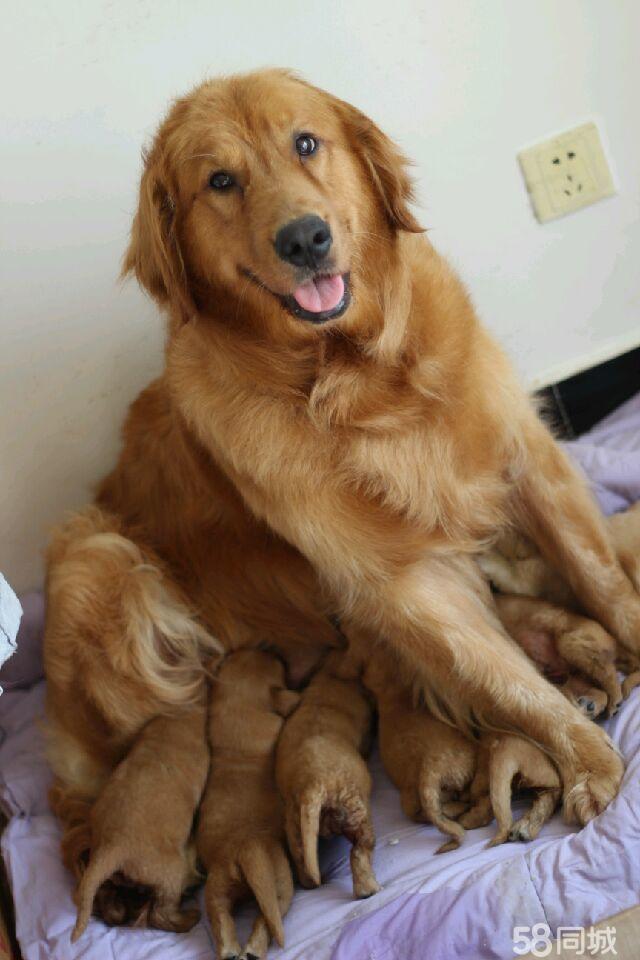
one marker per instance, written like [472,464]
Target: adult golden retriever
[333,432]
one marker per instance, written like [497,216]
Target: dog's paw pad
[588,706]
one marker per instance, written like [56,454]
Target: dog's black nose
[304,242]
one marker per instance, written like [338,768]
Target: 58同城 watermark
[583,942]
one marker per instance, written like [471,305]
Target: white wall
[462,85]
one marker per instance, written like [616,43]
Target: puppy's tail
[259,872]
[431,800]
[103,863]
[310,809]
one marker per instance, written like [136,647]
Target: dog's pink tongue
[321,294]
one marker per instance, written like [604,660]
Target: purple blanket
[460,906]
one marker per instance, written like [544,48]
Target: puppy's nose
[304,242]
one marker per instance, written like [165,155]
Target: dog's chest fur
[362,442]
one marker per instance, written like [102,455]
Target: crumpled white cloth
[10,616]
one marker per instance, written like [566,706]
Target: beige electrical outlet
[566,173]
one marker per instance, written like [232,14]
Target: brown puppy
[334,431]
[141,823]
[430,762]
[322,777]
[506,762]
[240,832]
[515,565]
[560,642]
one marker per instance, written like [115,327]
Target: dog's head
[264,189]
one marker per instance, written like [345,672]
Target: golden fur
[322,776]
[141,823]
[563,643]
[430,762]
[240,835]
[515,566]
[506,762]
[280,471]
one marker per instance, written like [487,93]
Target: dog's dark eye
[220,180]
[306,144]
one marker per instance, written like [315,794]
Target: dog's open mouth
[319,299]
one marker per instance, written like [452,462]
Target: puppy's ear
[386,166]
[153,253]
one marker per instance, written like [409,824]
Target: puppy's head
[265,193]
[252,672]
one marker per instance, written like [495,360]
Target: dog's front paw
[595,780]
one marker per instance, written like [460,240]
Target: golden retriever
[541,612]
[505,763]
[566,646]
[334,432]
[240,835]
[322,776]
[515,565]
[141,824]
[431,763]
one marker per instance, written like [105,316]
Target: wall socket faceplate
[566,173]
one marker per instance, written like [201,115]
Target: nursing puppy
[240,833]
[322,777]
[567,647]
[430,762]
[515,565]
[141,824]
[505,763]
[334,432]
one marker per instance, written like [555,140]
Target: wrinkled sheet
[10,615]
[609,454]
[460,906]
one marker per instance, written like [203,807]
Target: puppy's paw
[588,706]
[501,837]
[365,888]
[449,845]
[119,902]
[520,831]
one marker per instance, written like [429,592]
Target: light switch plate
[566,173]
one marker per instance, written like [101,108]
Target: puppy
[514,564]
[560,643]
[505,762]
[322,777]
[240,833]
[141,823]
[430,762]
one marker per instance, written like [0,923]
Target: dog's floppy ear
[153,253]
[386,165]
